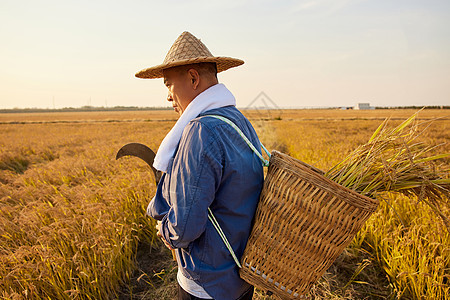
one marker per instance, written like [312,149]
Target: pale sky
[312,53]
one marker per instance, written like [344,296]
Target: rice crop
[72,218]
[394,161]
[405,240]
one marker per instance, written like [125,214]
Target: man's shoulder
[207,130]
[208,127]
[229,112]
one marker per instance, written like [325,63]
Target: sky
[312,53]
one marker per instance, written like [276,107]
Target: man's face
[180,89]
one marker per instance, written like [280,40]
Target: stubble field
[73,224]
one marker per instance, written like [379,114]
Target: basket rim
[315,172]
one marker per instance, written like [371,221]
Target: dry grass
[417,264]
[170,115]
[90,116]
[72,217]
[393,160]
[339,115]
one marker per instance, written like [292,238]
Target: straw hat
[188,49]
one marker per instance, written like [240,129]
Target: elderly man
[206,164]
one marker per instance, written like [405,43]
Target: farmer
[205,164]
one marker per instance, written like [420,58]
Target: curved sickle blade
[143,152]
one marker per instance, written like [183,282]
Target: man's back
[213,167]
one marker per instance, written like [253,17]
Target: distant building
[364,106]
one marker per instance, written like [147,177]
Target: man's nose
[169,97]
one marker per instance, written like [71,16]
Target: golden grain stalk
[394,161]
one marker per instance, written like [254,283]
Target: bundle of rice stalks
[394,161]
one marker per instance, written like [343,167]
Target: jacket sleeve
[158,206]
[194,178]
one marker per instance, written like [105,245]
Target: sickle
[147,155]
[144,153]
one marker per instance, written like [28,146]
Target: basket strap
[239,131]
[223,236]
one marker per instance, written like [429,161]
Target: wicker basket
[302,224]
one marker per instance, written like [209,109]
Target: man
[205,164]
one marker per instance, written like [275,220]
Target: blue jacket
[212,167]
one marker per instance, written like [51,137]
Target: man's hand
[158,233]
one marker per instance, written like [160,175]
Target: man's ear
[194,77]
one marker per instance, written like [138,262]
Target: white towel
[214,97]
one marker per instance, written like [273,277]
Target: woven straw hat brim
[223,63]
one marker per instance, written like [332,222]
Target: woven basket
[302,224]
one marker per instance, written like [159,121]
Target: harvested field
[73,224]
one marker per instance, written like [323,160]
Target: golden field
[72,217]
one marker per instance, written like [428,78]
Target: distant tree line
[135,108]
[81,109]
[415,107]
